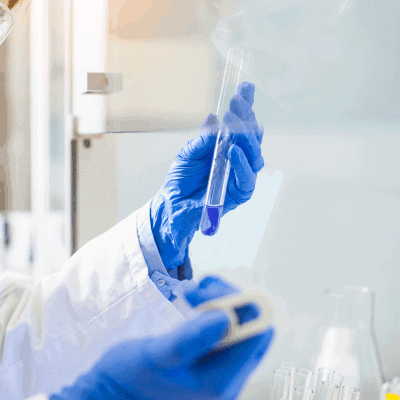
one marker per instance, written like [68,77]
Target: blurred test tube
[338,380]
[350,393]
[290,367]
[303,377]
[385,389]
[329,391]
[395,389]
[280,385]
[395,381]
[303,393]
[323,374]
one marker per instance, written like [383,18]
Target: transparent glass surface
[293,45]
[144,67]
[158,70]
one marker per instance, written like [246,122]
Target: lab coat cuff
[150,250]
[146,240]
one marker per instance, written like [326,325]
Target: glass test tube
[338,380]
[220,168]
[280,385]
[350,393]
[303,377]
[303,393]
[385,389]
[329,391]
[395,389]
[324,374]
[290,367]
[395,381]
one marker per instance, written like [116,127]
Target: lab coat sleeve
[38,314]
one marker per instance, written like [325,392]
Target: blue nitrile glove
[179,365]
[175,211]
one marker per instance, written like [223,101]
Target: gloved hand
[179,365]
[175,211]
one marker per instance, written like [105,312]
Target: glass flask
[348,344]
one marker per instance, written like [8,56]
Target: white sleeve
[38,397]
[94,277]
[35,315]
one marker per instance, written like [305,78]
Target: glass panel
[144,67]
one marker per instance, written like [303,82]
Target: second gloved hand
[175,211]
[180,365]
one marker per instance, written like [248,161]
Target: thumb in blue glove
[175,211]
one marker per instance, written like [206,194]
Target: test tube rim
[277,372]
[351,389]
[310,373]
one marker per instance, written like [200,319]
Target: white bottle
[336,354]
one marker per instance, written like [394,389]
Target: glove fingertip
[265,343]
[260,133]
[260,165]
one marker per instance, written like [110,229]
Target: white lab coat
[55,329]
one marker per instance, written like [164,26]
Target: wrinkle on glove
[175,211]
[182,364]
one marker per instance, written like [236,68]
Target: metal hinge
[104,83]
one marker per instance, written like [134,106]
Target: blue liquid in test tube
[214,214]
[220,168]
